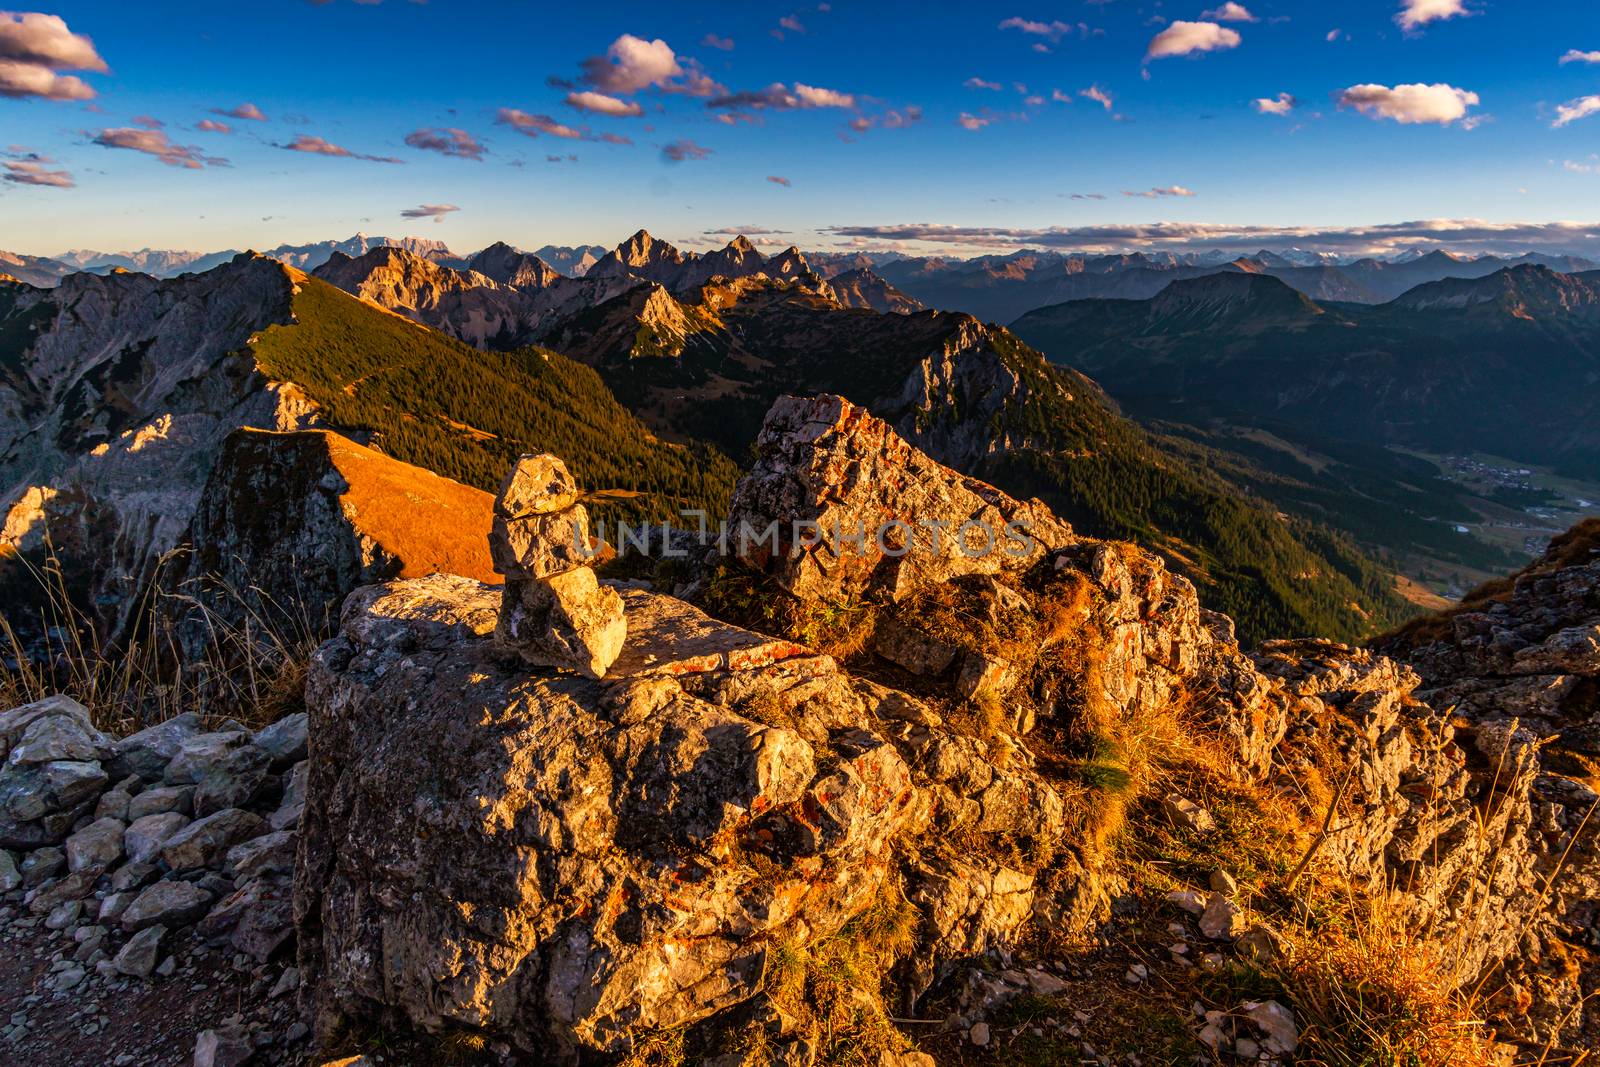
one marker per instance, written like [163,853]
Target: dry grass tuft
[252,670]
[834,987]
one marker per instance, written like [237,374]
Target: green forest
[435,402]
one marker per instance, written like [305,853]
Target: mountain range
[1002,288]
[682,353]
[995,288]
[651,381]
[1506,363]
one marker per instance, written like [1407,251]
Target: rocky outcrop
[570,863]
[837,502]
[862,288]
[32,270]
[123,389]
[608,857]
[510,303]
[1518,665]
[338,515]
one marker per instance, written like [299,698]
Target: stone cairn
[553,612]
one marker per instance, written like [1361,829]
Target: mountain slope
[116,393]
[977,398]
[504,306]
[437,403]
[32,270]
[1002,288]
[705,362]
[1507,364]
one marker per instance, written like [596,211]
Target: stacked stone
[553,612]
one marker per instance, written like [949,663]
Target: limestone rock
[138,958]
[284,741]
[205,842]
[148,834]
[1222,920]
[1275,1024]
[147,752]
[566,620]
[605,835]
[56,728]
[166,903]
[161,799]
[97,846]
[1187,814]
[916,651]
[553,612]
[39,802]
[888,514]
[344,515]
[222,1048]
[538,546]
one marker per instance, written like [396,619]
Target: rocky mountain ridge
[118,393]
[1002,288]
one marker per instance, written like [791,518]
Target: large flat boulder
[563,860]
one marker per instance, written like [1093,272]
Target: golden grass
[834,986]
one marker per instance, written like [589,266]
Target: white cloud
[1334,34]
[155,143]
[1054,30]
[681,150]
[631,64]
[1282,104]
[243,111]
[969,121]
[1098,95]
[33,79]
[601,104]
[1185,38]
[1473,235]
[979,83]
[1574,56]
[533,125]
[30,172]
[1230,12]
[34,48]
[448,141]
[780,97]
[1573,110]
[1159,192]
[1410,104]
[814,97]
[213,126]
[1414,13]
[436,212]
[317,146]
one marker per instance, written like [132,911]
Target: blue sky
[1000,165]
